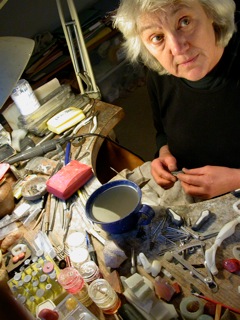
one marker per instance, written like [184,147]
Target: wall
[25,18]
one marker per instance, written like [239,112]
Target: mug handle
[146,214]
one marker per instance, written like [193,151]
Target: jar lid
[76,239]
[70,279]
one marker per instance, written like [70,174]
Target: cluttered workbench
[167,254]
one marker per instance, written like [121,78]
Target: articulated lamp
[15,53]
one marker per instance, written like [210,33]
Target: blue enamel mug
[116,206]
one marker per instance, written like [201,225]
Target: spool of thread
[191,308]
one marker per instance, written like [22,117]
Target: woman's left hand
[209,181]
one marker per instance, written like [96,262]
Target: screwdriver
[39,150]
[176,219]
[203,217]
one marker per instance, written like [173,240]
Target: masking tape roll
[191,308]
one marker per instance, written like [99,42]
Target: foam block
[69,179]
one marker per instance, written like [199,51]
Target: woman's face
[182,39]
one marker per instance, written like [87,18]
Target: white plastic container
[25,98]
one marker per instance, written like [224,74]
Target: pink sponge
[69,179]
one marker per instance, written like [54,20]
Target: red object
[69,179]
[231,265]
[48,314]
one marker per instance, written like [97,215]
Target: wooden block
[115,282]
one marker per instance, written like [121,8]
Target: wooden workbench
[228,283]
[221,207]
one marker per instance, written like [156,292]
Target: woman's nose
[177,44]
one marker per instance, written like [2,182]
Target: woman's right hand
[162,167]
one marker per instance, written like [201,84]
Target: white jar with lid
[25,98]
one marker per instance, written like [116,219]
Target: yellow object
[65,119]
[99,36]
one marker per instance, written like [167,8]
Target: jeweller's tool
[91,250]
[37,151]
[67,153]
[216,302]
[154,235]
[208,280]
[176,219]
[204,216]
[133,262]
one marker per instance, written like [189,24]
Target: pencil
[216,302]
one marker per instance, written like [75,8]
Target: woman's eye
[184,22]
[157,39]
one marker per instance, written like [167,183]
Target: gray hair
[126,20]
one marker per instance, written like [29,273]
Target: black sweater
[200,121]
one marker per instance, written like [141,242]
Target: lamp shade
[15,53]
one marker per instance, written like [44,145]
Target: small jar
[89,271]
[71,280]
[78,257]
[76,240]
[25,98]
[104,296]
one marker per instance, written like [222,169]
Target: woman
[191,48]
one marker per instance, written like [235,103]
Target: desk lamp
[75,40]
[15,53]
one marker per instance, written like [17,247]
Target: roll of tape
[191,308]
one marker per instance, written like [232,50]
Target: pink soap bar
[69,179]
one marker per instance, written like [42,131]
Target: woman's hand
[162,166]
[209,181]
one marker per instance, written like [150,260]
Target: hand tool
[216,302]
[155,233]
[67,153]
[178,221]
[203,217]
[133,262]
[91,250]
[37,151]
[208,280]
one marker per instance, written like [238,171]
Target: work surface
[228,283]
[222,212]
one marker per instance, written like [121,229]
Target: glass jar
[89,271]
[71,280]
[104,296]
